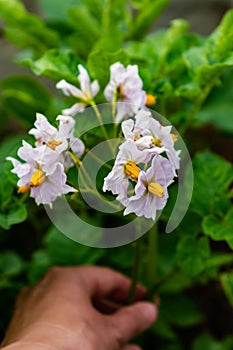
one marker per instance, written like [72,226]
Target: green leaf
[163,329]
[24,29]
[190,91]
[219,229]
[226,280]
[56,9]
[114,26]
[7,185]
[86,30]
[12,211]
[177,283]
[14,214]
[84,23]
[224,42]
[57,65]
[10,264]
[217,260]
[64,251]
[146,17]
[100,61]
[210,73]
[24,96]
[206,341]
[10,145]
[219,105]
[212,175]
[194,58]
[192,255]
[190,225]
[171,306]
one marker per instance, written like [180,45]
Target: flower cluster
[43,171]
[145,165]
[141,174]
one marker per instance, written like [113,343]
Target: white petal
[77,146]
[127,127]
[95,88]
[85,83]
[43,131]
[69,89]
[76,108]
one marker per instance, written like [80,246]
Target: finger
[103,282]
[131,347]
[130,321]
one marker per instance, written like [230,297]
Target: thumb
[132,320]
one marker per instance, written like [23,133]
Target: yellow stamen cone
[53,144]
[132,170]
[157,142]
[24,189]
[38,178]
[150,100]
[156,189]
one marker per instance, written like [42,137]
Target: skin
[76,308]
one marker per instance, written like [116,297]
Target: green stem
[82,170]
[152,255]
[135,272]
[100,120]
[24,197]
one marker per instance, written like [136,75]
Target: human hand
[78,308]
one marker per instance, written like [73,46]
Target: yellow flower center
[120,91]
[37,178]
[150,100]
[24,189]
[156,189]
[132,170]
[53,144]
[157,142]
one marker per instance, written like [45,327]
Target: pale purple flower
[145,129]
[151,192]
[44,178]
[125,86]
[117,180]
[88,90]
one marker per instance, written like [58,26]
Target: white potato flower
[125,168]
[149,134]
[88,90]
[40,174]
[151,192]
[125,87]
[60,139]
